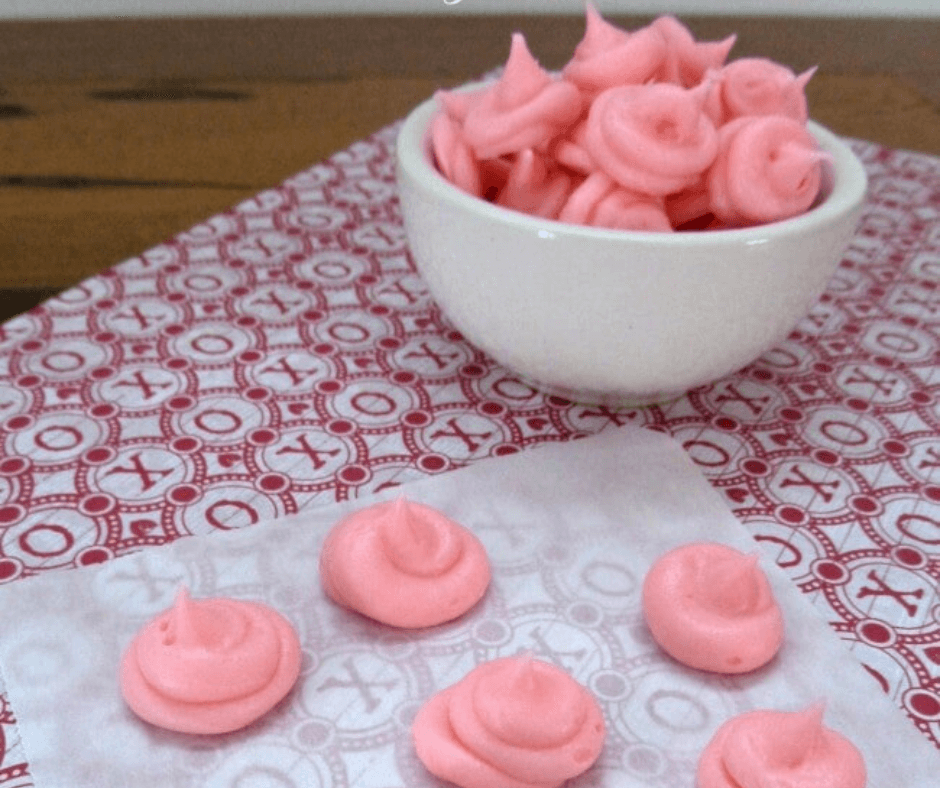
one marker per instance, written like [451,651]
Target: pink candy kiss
[210,665]
[404,564]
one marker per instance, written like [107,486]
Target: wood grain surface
[115,135]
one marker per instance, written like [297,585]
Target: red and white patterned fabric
[286,354]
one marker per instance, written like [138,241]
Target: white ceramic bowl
[614,316]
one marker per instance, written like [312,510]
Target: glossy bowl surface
[613,316]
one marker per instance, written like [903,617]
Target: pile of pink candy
[648,130]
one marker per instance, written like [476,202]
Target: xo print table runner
[286,354]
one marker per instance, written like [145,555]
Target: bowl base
[614,400]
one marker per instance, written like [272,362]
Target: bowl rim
[850,185]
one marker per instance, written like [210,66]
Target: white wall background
[68,9]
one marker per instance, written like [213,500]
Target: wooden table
[117,134]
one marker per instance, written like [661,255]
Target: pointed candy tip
[816,710]
[725,46]
[798,733]
[717,51]
[701,92]
[811,719]
[525,658]
[744,565]
[523,669]
[398,506]
[399,510]
[520,56]
[517,41]
[803,79]
[592,16]
[525,168]
[181,620]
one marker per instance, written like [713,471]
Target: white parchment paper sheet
[571,530]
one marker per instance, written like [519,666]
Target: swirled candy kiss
[210,665]
[404,564]
[515,722]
